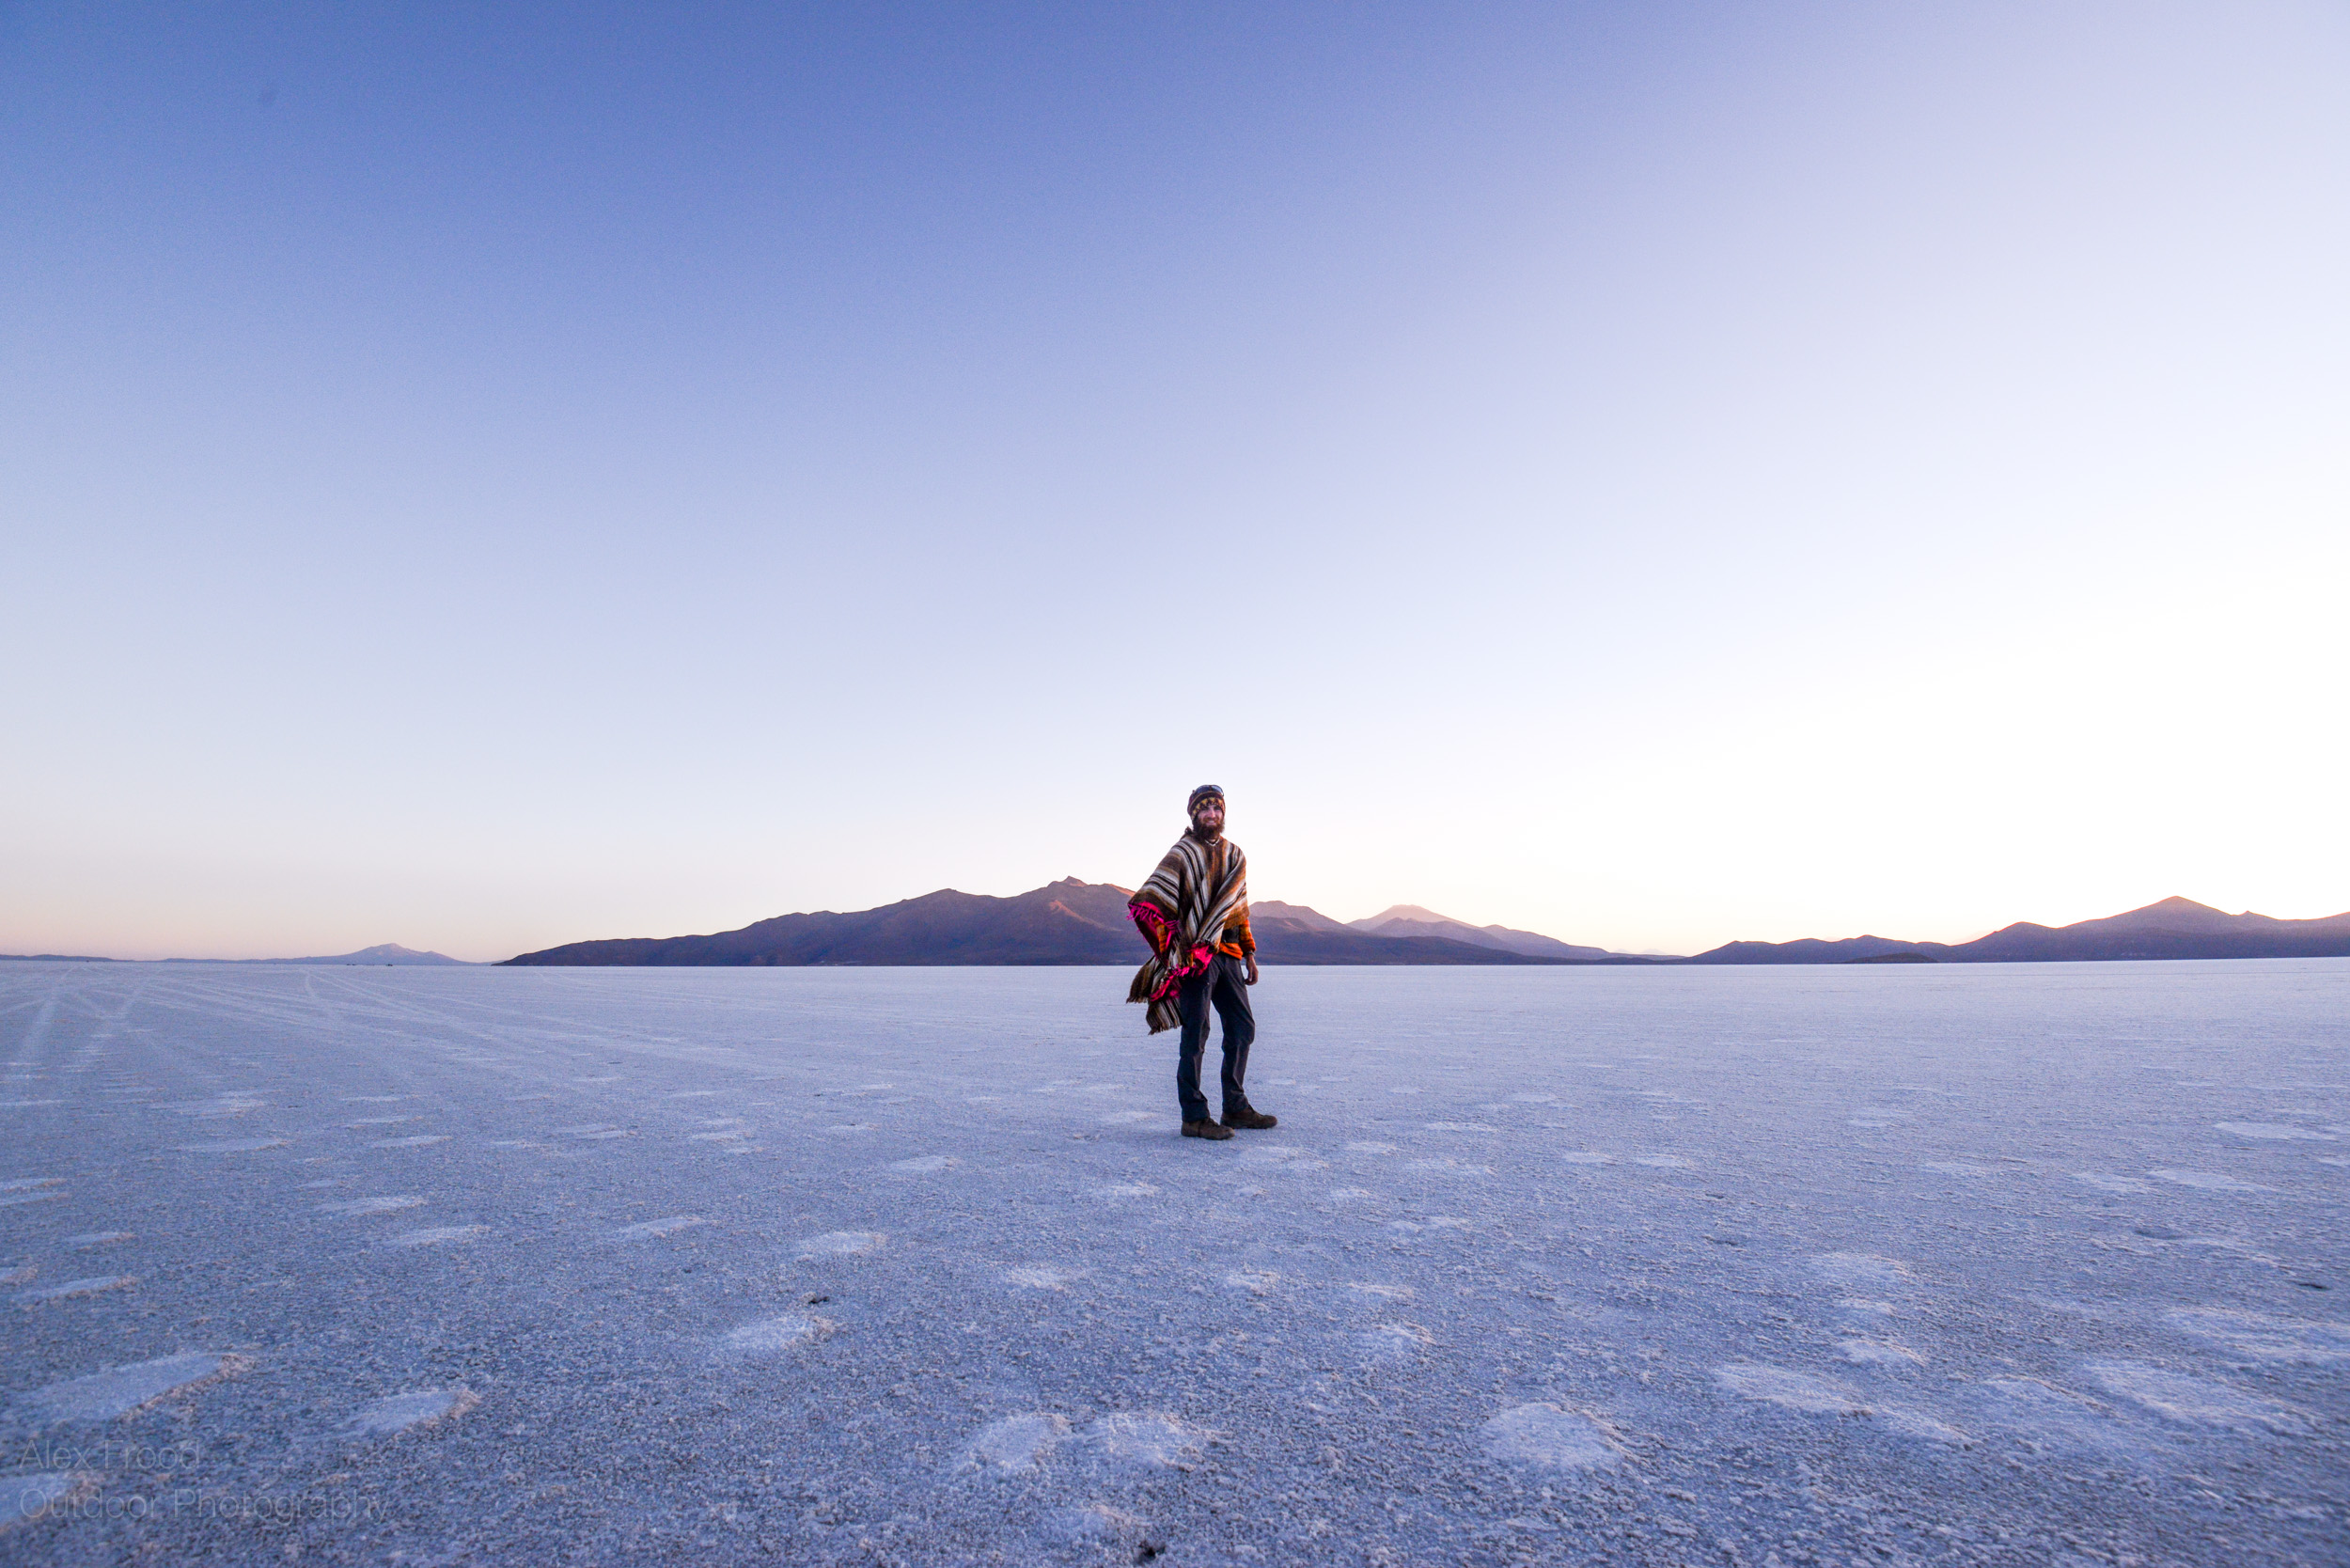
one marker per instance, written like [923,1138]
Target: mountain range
[1072,921]
[2173,928]
[382,953]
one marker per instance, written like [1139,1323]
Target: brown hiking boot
[1250,1118]
[1205,1129]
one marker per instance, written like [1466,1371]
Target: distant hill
[385,952]
[1811,949]
[1261,910]
[1285,940]
[1410,920]
[1068,921]
[2174,928]
[382,953]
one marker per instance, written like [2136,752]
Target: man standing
[1194,912]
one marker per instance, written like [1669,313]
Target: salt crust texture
[1996,1265]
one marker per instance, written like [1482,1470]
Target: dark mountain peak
[2176,914]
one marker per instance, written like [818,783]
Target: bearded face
[1207,818]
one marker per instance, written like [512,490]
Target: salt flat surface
[1998,1264]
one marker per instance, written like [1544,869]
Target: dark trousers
[1219,983]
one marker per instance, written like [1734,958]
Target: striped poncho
[1194,905]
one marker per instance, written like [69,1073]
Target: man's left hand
[1250,977]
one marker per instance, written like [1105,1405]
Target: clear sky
[487,477]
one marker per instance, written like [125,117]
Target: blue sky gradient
[490,477]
